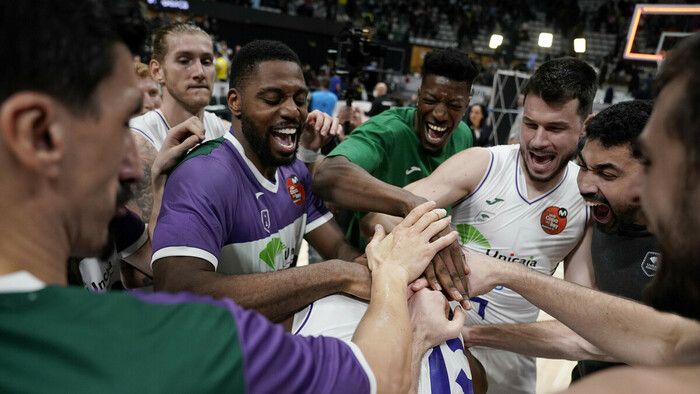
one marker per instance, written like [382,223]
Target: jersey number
[482,306]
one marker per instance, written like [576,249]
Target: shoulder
[149,121]
[208,163]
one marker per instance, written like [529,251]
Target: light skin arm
[634,333]
[451,181]
[384,334]
[549,339]
[640,380]
[142,202]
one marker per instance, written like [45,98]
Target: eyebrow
[556,123]
[598,167]
[273,89]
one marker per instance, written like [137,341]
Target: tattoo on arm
[142,202]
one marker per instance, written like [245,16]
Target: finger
[419,284]
[444,241]
[326,122]
[458,319]
[458,262]
[431,278]
[379,234]
[335,127]
[417,213]
[438,227]
[429,218]
[444,276]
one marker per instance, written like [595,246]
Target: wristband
[307,155]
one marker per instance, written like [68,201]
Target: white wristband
[307,155]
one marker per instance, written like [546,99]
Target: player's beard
[676,285]
[566,158]
[261,146]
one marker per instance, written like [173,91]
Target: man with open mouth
[520,204]
[624,254]
[400,146]
[235,211]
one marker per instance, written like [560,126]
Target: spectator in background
[221,66]
[477,121]
[322,99]
[149,87]
[381,101]
[336,85]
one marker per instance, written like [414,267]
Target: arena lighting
[579,45]
[653,9]
[496,41]
[545,40]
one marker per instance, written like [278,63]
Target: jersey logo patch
[553,220]
[650,263]
[265,217]
[412,170]
[494,201]
[271,251]
[296,190]
[469,234]
[484,216]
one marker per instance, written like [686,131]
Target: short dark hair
[683,62]
[160,45]
[562,80]
[620,124]
[450,63]
[254,53]
[66,47]
[324,82]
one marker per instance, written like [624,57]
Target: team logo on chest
[265,217]
[649,264]
[553,220]
[296,190]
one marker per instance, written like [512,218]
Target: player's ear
[157,71]
[235,102]
[585,124]
[32,134]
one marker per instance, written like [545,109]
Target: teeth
[592,203]
[437,128]
[286,131]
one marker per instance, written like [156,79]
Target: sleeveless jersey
[154,127]
[444,368]
[498,219]
[218,207]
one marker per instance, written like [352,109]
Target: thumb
[457,322]
[379,234]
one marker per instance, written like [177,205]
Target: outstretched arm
[384,334]
[633,333]
[340,181]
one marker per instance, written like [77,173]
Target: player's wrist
[307,155]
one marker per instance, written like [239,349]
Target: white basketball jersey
[499,219]
[444,368]
[154,127]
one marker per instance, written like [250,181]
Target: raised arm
[340,181]
[384,334]
[633,333]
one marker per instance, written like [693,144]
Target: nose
[130,171]
[198,69]
[586,182]
[539,140]
[440,113]
[148,104]
[289,109]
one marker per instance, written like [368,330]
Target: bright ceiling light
[545,40]
[496,41]
[579,45]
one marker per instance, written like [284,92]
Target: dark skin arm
[276,295]
[340,181]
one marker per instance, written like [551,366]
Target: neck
[29,241]
[267,171]
[175,113]
[538,188]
